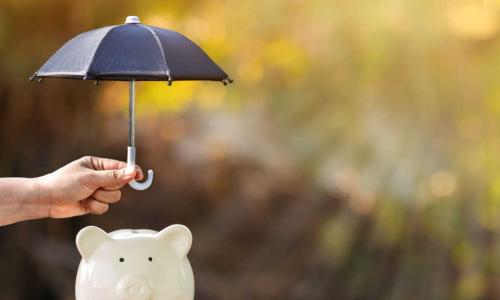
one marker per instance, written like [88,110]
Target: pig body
[134,264]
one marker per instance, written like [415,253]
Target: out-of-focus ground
[356,156]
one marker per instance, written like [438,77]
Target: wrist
[42,197]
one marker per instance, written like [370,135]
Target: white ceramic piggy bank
[134,264]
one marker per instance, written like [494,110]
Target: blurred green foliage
[357,155]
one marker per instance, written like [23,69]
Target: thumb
[107,178]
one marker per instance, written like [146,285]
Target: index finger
[101,164]
[139,175]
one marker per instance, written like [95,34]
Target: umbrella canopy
[132,51]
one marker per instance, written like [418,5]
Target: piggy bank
[134,264]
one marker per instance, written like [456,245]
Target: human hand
[86,185]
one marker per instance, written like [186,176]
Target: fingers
[110,179]
[99,163]
[95,207]
[139,174]
[98,203]
[109,174]
[105,177]
[107,196]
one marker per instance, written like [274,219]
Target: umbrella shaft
[131,114]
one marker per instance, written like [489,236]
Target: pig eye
[122,259]
[150,258]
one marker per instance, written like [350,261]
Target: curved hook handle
[140,186]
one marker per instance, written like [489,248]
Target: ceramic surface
[134,264]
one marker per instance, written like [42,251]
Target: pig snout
[134,287]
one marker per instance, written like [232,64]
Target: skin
[85,186]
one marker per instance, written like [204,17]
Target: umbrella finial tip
[132,20]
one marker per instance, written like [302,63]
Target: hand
[87,185]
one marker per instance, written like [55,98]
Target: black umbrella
[130,52]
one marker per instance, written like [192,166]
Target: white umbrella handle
[140,186]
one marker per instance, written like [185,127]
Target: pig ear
[89,238]
[178,237]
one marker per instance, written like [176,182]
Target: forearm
[21,199]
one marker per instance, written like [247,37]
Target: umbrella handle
[140,186]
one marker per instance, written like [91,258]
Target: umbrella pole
[131,141]
[131,113]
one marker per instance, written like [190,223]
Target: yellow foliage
[473,20]
[287,55]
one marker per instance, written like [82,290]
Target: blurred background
[356,156]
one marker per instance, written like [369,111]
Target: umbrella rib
[97,50]
[158,42]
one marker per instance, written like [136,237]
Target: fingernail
[129,171]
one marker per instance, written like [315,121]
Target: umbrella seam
[160,45]
[98,48]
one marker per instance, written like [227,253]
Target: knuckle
[91,162]
[87,159]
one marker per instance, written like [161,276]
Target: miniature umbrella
[131,52]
